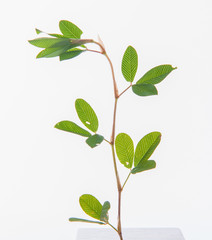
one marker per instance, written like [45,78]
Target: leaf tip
[130,46]
[30,41]
[38,56]
[38,31]
[56,125]
[159,133]
[63,21]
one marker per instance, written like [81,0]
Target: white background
[43,171]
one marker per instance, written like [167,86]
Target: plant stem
[111,66]
[107,141]
[91,50]
[113,227]
[116,95]
[115,168]
[100,45]
[126,181]
[113,150]
[119,215]
[112,140]
[125,90]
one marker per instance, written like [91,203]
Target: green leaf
[129,64]
[144,89]
[51,52]
[86,114]
[104,214]
[50,42]
[124,149]
[71,54]
[84,220]
[156,74]
[94,140]
[69,29]
[56,35]
[56,46]
[144,166]
[69,126]
[91,206]
[146,147]
[50,34]
[38,31]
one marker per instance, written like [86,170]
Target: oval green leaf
[52,52]
[144,89]
[56,48]
[146,147]
[94,140]
[84,220]
[124,149]
[50,42]
[144,166]
[91,206]
[86,114]
[70,30]
[69,126]
[156,74]
[129,64]
[72,53]
[104,214]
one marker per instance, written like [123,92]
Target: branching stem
[107,141]
[112,141]
[116,94]
[91,50]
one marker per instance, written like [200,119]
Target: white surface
[43,171]
[131,234]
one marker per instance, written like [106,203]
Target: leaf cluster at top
[62,45]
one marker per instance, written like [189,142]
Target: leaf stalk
[112,227]
[126,181]
[125,90]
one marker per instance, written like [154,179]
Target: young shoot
[136,158]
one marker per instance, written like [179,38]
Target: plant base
[130,234]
